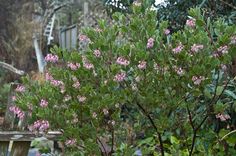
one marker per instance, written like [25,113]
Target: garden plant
[138,89]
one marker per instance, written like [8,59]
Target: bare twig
[11,68]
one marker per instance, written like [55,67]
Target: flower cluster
[76,85]
[43,103]
[150,43]
[97,53]
[39,125]
[86,63]
[198,79]
[221,51]
[178,49]
[67,98]
[81,98]
[70,142]
[179,70]
[120,77]
[166,31]
[142,65]
[84,38]
[233,40]
[196,47]
[191,23]
[73,66]
[122,61]
[56,83]
[223,117]
[20,88]
[51,58]
[18,112]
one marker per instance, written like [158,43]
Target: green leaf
[219,90]
[230,93]
[200,23]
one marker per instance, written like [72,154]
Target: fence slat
[20,148]
[4,148]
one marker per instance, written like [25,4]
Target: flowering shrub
[137,87]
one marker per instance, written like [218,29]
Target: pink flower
[48,76]
[166,31]
[94,115]
[198,79]
[97,53]
[20,88]
[196,47]
[105,111]
[43,103]
[98,30]
[83,38]
[76,84]
[67,98]
[81,98]
[70,142]
[178,49]
[223,117]
[39,125]
[179,70]
[56,83]
[122,61]
[233,40]
[223,49]
[18,112]
[13,98]
[51,58]
[88,65]
[142,65]
[120,77]
[191,23]
[150,43]
[73,66]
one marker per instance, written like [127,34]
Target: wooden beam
[20,148]
[11,68]
[27,136]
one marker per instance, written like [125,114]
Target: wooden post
[39,54]
[20,148]
[4,148]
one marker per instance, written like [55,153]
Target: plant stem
[154,126]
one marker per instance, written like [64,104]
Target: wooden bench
[21,141]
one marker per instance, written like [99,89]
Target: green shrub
[137,87]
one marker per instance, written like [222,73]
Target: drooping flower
[223,117]
[122,61]
[39,125]
[179,70]
[67,98]
[196,47]
[97,53]
[198,79]
[105,111]
[81,98]
[223,49]
[191,23]
[233,40]
[150,43]
[120,77]
[70,142]
[43,103]
[166,31]
[76,84]
[20,88]
[142,65]
[51,58]
[18,112]
[178,49]
[73,66]
[94,115]
[88,65]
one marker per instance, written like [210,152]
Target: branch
[153,124]
[11,68]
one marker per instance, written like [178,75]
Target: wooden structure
[21,141]
[68,37]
